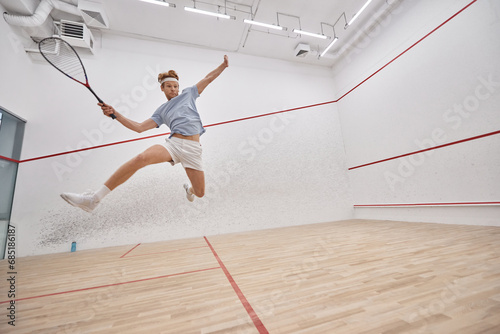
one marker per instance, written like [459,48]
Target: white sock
[99,194]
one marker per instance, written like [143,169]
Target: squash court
[349,184]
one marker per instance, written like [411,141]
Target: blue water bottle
[73,246]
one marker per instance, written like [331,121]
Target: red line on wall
[255,318]
[271,113]
[10,159]
[93,147]
[429,149]
[426,204]
[129,251]
[262,115]
[411,47]
[165,134]
[110,285]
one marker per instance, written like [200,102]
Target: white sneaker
[85,201]
[189,196]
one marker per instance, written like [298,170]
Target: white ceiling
[145,20]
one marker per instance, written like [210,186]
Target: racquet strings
[64,58]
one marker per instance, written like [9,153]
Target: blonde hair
[169,74]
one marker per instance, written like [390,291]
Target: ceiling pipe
[66,7]
[41,13]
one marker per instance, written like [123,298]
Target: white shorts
[187,152]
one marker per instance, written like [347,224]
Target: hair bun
[169,74]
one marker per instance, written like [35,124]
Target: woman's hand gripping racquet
[63,57]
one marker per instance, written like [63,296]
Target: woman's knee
[140,160]
[152,155]
[199,192]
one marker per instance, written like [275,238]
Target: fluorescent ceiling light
[159,2]
[359,12]
[329,46]
[204,12]
[270,26]
[302,32]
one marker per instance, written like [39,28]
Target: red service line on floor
[129,251]
[429,149]
[170,251]
[110,285]
[255,318]
[425,204]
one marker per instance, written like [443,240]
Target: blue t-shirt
[180,114]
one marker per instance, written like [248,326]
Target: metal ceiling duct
[93,14]
[41,13]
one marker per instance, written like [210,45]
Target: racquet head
[63,57]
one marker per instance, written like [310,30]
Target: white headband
[169,79]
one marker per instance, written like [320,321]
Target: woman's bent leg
[197,178]
[153,155]
[89,201]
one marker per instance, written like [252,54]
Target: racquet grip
[101,101]
[112,115]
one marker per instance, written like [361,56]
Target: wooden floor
[344,277]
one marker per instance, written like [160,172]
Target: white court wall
[445,89]
[274,171]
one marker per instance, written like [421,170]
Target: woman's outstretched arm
[128,123]
[212,75]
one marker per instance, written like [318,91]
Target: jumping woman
[179,113]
